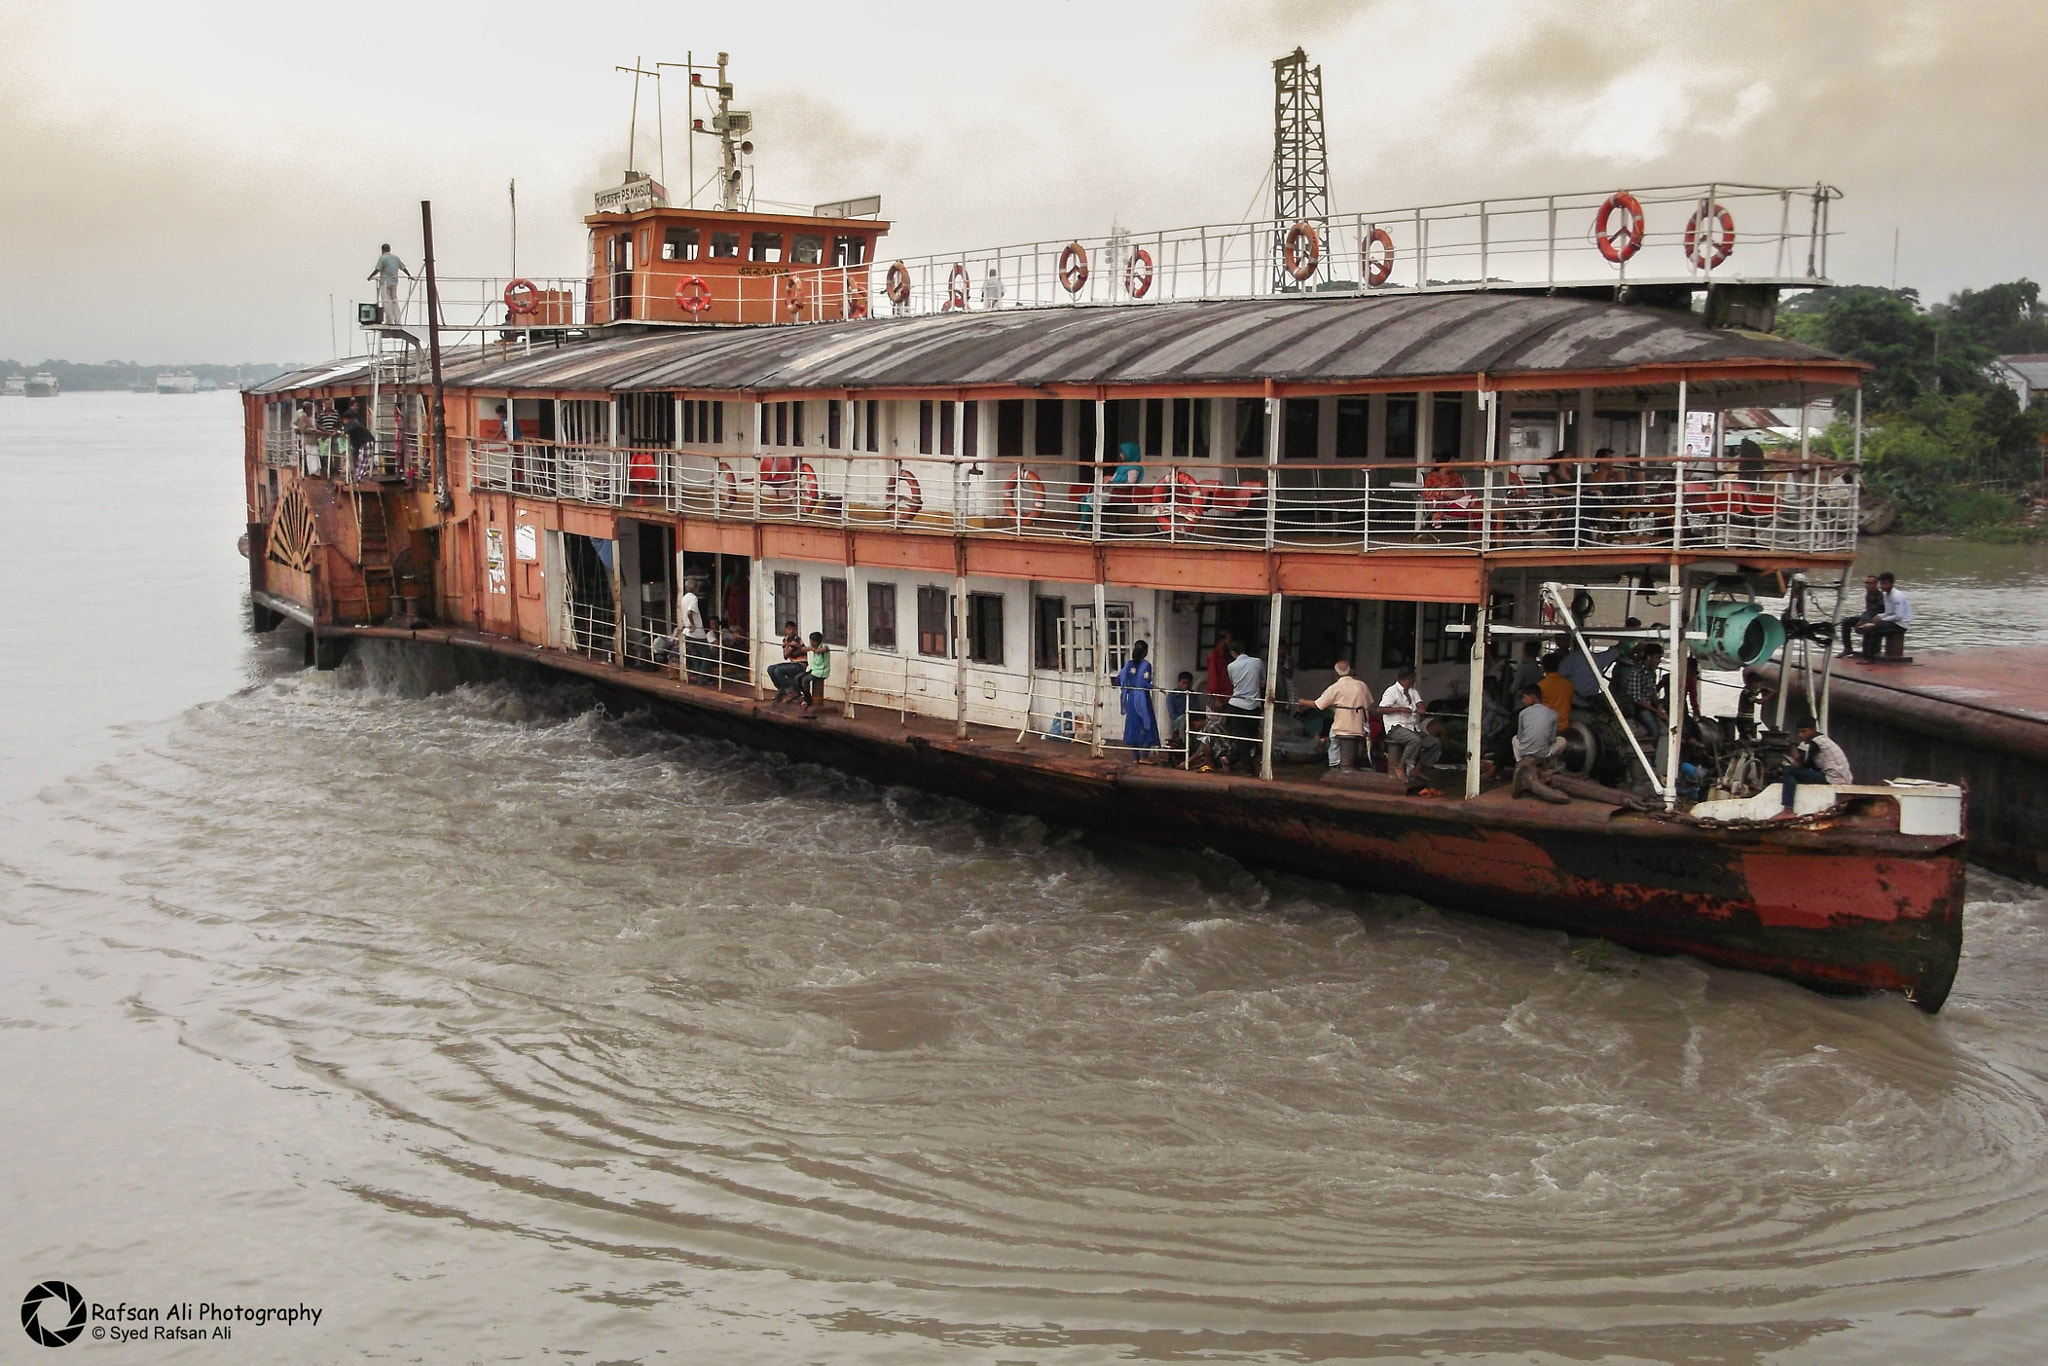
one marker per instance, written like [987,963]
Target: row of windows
[1053,630]
[805,248]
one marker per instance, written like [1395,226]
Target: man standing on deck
[1409,746]
[1348,701]
[1247,681]
[1219,670]
[1894,615]
[386,273]
[696,638]
[1537,747]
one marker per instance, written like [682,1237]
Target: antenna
[1301,163]
[633,122]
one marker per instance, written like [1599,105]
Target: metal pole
[1475,705]
[1557,602]
[1096,651]
[1674,710]
[1274,412]
[1272,676]
[960,647]
[1492,403]
[1827,660]
[443,500]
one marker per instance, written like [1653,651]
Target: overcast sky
[191,181]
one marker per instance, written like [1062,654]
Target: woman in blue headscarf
[1134,680]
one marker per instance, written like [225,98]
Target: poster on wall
[494,559]
[1699,434]
[525,542]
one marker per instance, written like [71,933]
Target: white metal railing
[1670,502]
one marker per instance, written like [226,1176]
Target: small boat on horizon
[42,384]
[14,386]
[177,382]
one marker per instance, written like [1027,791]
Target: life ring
[896,284]
[1073,267]
[903,498]
[1229,499]
[1618,242]
[856,300]
[693,295]
[522,297]
[1179,501]
[725,486]
[1024,497]
[1138,274]
[956,290]
[1377,269]
[793,295]
[1302,250]
[1710,236]
[777,470]
[806,488]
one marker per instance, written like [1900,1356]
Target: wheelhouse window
[882,616]
[807,249]
[766,246]
[679,244]
[934,623]
[725,244]
[849,251]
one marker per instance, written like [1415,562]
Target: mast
[1301,163]
[442,498]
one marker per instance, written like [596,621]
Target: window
[946,428]
[1050,438]
[679,244]
[647,419]
[874,424]
[970,430]
[1009,427]
[1191,429]
[1320,630]
[833,417]
[808,249]
[717,422]
[1155,425]
[881,616]
[924,427]
[849,251]
[786,588]
[766,246]
[703,422]
[724,244]
[1117,637]
[832,610]
[1352,417]
[1251,429]
[1397,635]
[796,423]
[985,628]
[782,424]
[1303,418]
[1048,613]
[934,622]
[1400,429]
[1447,437]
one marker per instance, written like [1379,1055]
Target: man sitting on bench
[1891,623]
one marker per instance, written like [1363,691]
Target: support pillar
[1475,705]
[1098,650]
[1674,706]
[1272,675]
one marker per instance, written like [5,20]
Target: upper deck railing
[1785,505]
[1672,235]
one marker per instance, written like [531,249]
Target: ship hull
[1837,907]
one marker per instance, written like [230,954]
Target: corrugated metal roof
[1297,340]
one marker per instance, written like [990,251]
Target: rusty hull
[1846,905]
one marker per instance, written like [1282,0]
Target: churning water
[501,1028]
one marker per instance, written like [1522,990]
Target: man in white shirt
[1409,746]
[1244,711]
[1892,618]
[696,634]
[1537,746]
[1817,759]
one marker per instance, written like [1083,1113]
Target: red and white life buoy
[1138,274]
[1178,502]
[693,295]
[1302,250]
[1024,497]
[1619,240]
[725,486]
[1377,265]
[793,295]
[806,488]
[522,297]
[777,470]
[1073,267]
[956,290]
[903,499]
[1710,236]
[896,284]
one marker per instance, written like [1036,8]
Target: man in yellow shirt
[1348,701]
[1557,690]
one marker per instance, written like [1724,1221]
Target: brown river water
[502,1029]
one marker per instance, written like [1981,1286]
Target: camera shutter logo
[32,1316]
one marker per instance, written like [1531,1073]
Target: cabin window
[1353,425]
[703,422]
[724,244]
[1321,630]
[1251,429]
[1303,419]
[934,627]
[985,628]
[1400,429]
[787,586]
[832,424]
[1009,427]
[679,244]
[782,424]
[1191,429]
[924,427]
[882,616]
[647,420]
[1049,438]
[1048,613]
[874,424]
[946,428]
[849,251]
[1447,435]
[970,430]
[583,421]
[766,246]
[832,610]
[1155,425]
[808,249]
[796,423]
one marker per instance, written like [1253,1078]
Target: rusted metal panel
[1404,578]
[589,521]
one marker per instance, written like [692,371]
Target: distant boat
[42,384]
[177,382]
[15,386]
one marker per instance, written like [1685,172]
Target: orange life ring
[1024,484]
[793,295]
[1377,269]
[806,488]
[777,470]
[1710,236]
[903,497]
[693,295]
[522,297]
[1138,274]
[956,289]
[1302,249]
[1619,242]
[1179,500]
[896,284]
[725,486]
[1073,267]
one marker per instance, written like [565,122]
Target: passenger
[1749,461]
[789,674]
[1409,746]
[1557,690]
[732,651]
[362,444]
[1219,671]
[817,671]
[386,273]
[1894,616]
[1817,760]
[307,429]
[1537,748]
[1755,692]
[1873,605]
[1635,687]
[1247,702]
[1349,702]
[696,634]
[1134,696]
[1177,712]
[327,422]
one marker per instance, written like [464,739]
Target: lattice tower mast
[1301,163]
